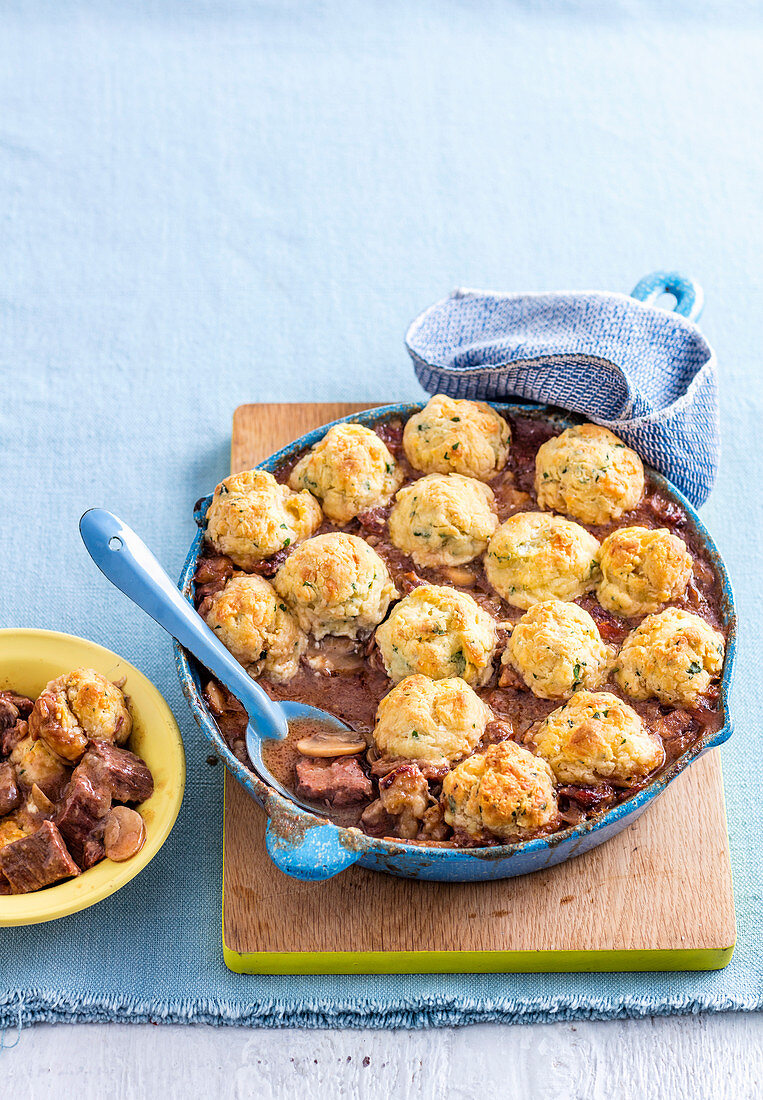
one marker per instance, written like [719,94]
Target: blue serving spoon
[126,561]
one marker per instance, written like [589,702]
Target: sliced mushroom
[124,833]
[334,656]
[215,698]
[41,800]
[456,574]
[332,743]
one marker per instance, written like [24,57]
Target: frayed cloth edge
[30,1007]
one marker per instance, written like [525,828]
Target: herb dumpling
[457,436]
[336,584]
[673,656]
[439,721]
[597,737]
[534,557]
[79,706]
[505,792]
[588,473]
[641,570]
[252,516]
[35,763]
[556,648]
[350,471]
[439,632]
[255,624]
[443,519]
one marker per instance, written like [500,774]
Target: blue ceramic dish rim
[354,839]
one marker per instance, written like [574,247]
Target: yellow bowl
[28,660]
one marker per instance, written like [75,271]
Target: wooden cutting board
[656,897]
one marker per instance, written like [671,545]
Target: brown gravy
[352,686]
[282,757]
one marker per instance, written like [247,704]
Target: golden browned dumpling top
[254,623]
[77,707]
[439,632]
[336,584]
[642,569]
[588,473]
[252,517]
[350,471]
[460,437]
[595,737]
[557,649]
[505,792]
[673,656]
[443,519]
[10,830]
[534,557]
[435,720]
[36,764]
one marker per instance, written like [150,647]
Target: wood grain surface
[715,1057]
[663,884]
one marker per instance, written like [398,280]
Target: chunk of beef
[270,566]
[463,839]
[374,521]
[10,795]
[126,777]
[340,782]
[500,729]
[81,813]
[14,710]
[391,434]
[12,736]
[677,729]
[672,724]
[665,510]
[404,794]
[434,825]
[211,576]
[13,707]
[37,860]
[431,771]
[591,800]
[376,821]
[508,498]
[408,581]
[214,570]
[611,629]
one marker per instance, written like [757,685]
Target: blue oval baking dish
[309,847]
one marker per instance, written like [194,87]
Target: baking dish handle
[688,294]
[306,851]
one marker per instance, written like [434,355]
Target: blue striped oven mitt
[644,372]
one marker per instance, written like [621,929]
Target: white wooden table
[686,1058]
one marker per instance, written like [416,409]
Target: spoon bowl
[293,712]
[126,561]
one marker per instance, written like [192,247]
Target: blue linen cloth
[646,374]
[208,203]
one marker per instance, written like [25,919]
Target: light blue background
[203,204]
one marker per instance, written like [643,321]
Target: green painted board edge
[473,962]
[468,962]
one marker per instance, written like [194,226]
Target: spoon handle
[128,563]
